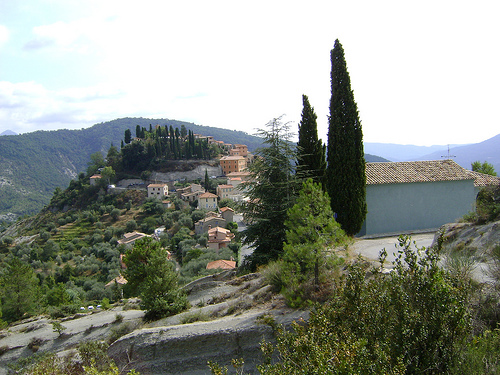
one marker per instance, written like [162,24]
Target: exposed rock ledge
[168,347]
[467,236]
[186,349]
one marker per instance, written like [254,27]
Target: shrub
[121,330]
[118,318]
[94,351]
[115,214]
[131,225]
[105,303]
[413,321]
[58,327]
[35,343]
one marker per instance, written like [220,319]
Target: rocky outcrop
[188,170]
[186,349]
[235,307]
[480,239]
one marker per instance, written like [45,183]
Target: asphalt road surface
[370,248]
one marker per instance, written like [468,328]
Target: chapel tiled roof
[482,180]
[415,171]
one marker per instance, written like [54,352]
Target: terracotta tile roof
[232,157]
[223,264]
[157,185]
[224,209]
[482,180]
[207,195]
[415,171]
[219,229]
[120,280]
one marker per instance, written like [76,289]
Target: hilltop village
[231,171]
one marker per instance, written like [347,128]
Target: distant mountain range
[464,155]
[32,165]
[8,132]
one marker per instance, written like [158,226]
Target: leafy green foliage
[311,231]
[485,168]
[20,290]
[413,321]
[488,205]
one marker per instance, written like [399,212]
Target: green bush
[481,355]
[413,321]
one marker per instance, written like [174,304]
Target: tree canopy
[485,168]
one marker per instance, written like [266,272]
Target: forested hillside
[33,165]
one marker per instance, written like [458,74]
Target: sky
[422,73]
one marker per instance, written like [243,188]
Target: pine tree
[345,175]
[20,290]
[153,276]
[311,231]
[271,192]
[310,150]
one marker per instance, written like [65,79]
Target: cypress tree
[128,136]
[310,150]
[345,174]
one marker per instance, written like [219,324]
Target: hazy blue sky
[423,72]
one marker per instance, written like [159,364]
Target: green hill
[33,165]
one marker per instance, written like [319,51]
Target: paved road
[370,248]
[245,250]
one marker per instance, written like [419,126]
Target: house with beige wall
[158,191]
[208,201]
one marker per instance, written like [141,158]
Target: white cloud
[28,106]
[420,72]
[4,35]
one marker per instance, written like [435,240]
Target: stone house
[130,238]
[190,193]
[219,237]
[225,191]
[204,225]
[158,191]
[227,213]
[232,164]
[208,201]
[94,179]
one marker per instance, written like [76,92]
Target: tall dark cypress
[345,174]
[310,150]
